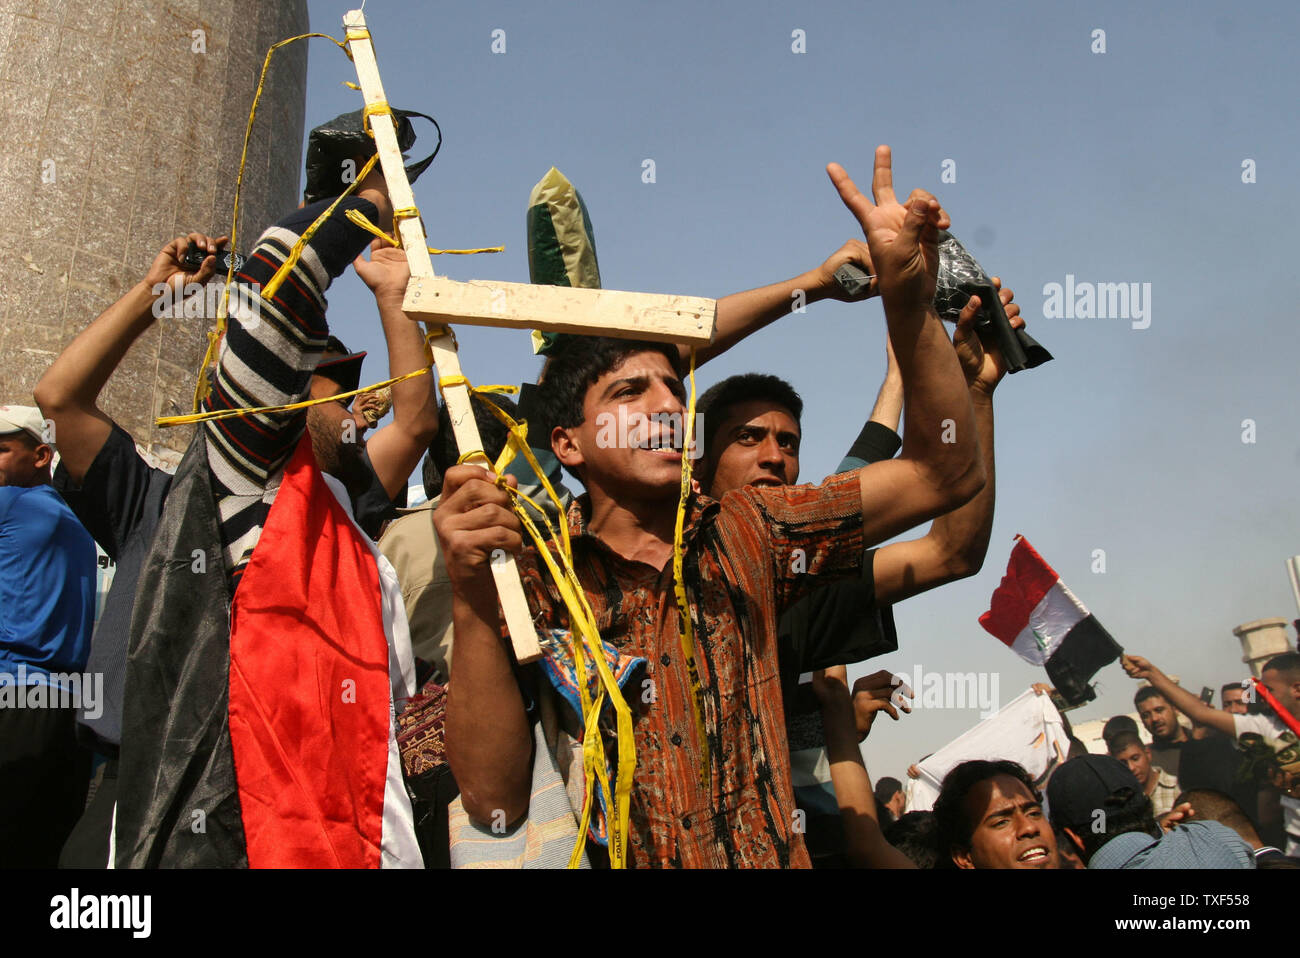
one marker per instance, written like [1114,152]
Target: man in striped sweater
[169,714]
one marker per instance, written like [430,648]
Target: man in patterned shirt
[748,558]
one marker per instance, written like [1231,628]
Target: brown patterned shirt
[748,558]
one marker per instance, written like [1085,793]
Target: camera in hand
[194,257]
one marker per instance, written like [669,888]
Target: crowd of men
[278,564]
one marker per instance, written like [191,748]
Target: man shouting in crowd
[747,560]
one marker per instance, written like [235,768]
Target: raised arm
[271,348]
[879,439]
[888,409]
[939,468]
[1181,699]
[395,449]
[489,744]
[956,544]
[866,845]
[69,391]
[743,314]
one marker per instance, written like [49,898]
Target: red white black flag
[1041,620]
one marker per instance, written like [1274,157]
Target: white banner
[1028,730]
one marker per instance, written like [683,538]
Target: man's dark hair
[954,827]
[443,453]
[915,836]
[1117,724]
[1223,692]
[1287,663]
[1212,763]
[1149,692]
[1213,806]
[712,407]
[1121,741]
[1125,810]
[576,362]
[887,788]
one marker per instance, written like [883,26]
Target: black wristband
[875,443]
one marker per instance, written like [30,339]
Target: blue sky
[1115,167]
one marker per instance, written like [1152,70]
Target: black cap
[1081,786]
[344,370]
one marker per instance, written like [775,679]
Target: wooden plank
[603,312]
[519,619]
[514,604]
[414,242]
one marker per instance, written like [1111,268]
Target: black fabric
[373,507]
[119,501]
[178,805]
[87,846]
[1213,763]
[835,625]
[1168,757]
[1084,651]
[345,137]
[44,777]
[876,443]
[431,796]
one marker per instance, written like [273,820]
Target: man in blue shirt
[47,607]
[1104,812]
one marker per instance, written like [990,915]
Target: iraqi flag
[1041,620]
[264,736]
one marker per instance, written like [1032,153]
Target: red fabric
[1028,579]
[309,685]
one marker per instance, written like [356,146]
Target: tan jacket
[411,545]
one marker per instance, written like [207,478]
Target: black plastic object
[960,278]
[344,138]
[194,258]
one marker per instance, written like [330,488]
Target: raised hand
[854,251]
[386,272]
[903,239]
[1137,667]
[475,523]
[878,692]
[169,269]
[983,363]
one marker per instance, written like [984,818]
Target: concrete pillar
[120,130]
[1261,640]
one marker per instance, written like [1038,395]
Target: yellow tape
[202,387]
[467,252]
[359,218]
[374,109]
[212,414]
[679,591]
[281,274]
[582,623]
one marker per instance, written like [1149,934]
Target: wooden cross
[601,312]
